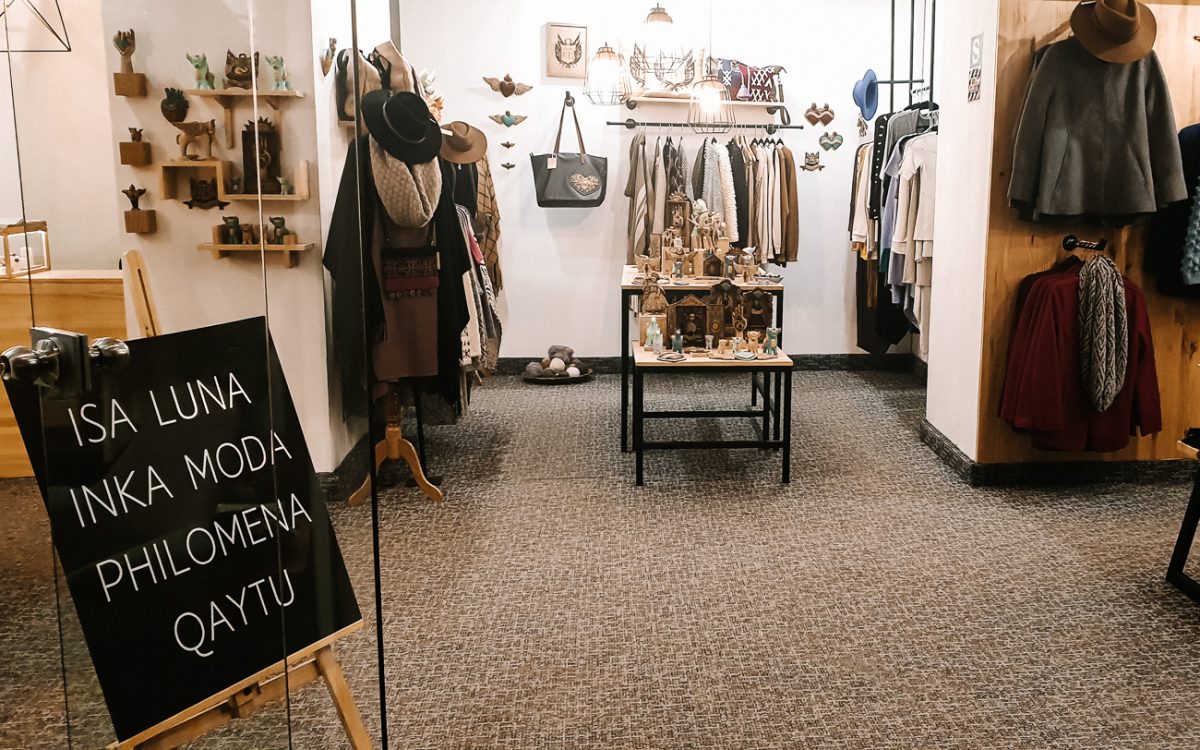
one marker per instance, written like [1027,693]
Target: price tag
[552,162]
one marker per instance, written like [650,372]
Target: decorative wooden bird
[507,87]
[134,194]
[508,119]
[508,144]
[508,165]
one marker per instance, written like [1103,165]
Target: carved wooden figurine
[282,82]
[127,82]
[653,299]
[192,131]
[231,230]
[204,77]
[279,232]
[239,70]
[137,220]
[135,152]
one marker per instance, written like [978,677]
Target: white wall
[62,125]
[192,288]
[562,266]
[961,228]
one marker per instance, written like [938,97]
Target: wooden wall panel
[91,302]
[1016,249]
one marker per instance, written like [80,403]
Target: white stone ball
[573,372]
[558,365]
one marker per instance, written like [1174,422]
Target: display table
[781,367]
[631,288]
[1187,534]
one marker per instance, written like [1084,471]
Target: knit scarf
[409,192]
[1103,331]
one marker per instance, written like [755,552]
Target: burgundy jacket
[1043,387]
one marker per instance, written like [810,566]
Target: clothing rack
[769,127]
[930,19]
[1071,243]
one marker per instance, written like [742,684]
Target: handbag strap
[569,101]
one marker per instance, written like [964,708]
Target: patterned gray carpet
[875,603]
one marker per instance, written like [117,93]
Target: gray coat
[1096,140]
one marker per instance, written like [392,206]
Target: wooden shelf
[168,170]
[228,100]
[289,251]
[220,169]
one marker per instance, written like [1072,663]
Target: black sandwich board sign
[188,519]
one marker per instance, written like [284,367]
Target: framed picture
[566,51]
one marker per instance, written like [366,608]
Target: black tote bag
[569,180]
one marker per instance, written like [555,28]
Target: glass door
[170,470]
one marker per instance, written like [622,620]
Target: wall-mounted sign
[188,519]
[975,74]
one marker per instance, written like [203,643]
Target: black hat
[400,122]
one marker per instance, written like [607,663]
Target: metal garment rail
[768,127]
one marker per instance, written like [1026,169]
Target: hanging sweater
[729,205]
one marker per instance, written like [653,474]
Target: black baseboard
[810,362]
[1054,472]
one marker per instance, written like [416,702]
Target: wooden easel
[396,447]
[139,292]
[315,662]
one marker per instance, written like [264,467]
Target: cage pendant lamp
[607,78]
[711,110]
[661,60]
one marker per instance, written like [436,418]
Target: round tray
[560,380]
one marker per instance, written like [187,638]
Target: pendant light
[711,110]
[33,26]
[660,60]
[607,79]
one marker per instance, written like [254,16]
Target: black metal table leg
[778,388]
[638,424]
[625,364]
[766,403]
[787,426]
[1183,546]
[754,389]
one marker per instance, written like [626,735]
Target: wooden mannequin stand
[396,447]
[239,701]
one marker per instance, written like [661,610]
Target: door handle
[62,361]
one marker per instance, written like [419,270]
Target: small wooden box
[644,323]
[141,221]
[135,153]
[26,248]
[130,84]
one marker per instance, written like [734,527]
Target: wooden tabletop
[643,358]
[631,272]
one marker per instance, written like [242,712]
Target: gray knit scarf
[1103,331]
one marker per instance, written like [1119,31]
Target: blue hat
[866,95]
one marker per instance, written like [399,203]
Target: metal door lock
[24,365]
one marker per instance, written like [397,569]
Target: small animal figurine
[285,186]
[174,106]
[507,87]
[653,335]
[126,43]
[235,185]
[812,162]
[327,56]
[204,77]
[248,234]
[204,195]
[708,342]
[280,232]
[134,194]
[135,135]
[240,70]
[231,230]
[282,82]
[192,131]
[508,119]
[771,345]
[677,270]
[677,342]
[753,338]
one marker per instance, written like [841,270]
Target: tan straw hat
[1116,31]
[463,144]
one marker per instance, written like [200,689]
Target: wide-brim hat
[866,95]
[463,143]
[1115,31]
[400,122]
